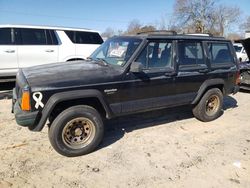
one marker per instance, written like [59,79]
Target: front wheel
[76,131]
[210,106]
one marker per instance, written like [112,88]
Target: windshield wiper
[89,59]
[103,61]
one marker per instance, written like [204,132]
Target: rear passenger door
[36,47]
[193,69]
[8,52]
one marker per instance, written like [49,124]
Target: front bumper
[23,118]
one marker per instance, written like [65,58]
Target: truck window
[5,36]
[220,53]
[84,37]
[33,36]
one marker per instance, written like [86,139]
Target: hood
[65,74]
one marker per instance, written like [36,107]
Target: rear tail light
[237,81]
[25,104]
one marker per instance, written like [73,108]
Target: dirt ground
[166,148]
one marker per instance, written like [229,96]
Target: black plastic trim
[205,85]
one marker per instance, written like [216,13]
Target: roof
[45,27]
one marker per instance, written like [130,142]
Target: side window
[71,35]
[156,55]
[84,37]
[51,37]
[88,38]
[190,53]
[5,36]
[33,36]
[48,36]
[220,53]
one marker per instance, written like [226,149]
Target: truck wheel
[210,106]
[76,131]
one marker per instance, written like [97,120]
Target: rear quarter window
[84,37]
[220,54]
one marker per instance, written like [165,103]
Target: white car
[26,45]
[240,52]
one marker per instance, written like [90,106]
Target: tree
[109,32]
[226,16]
[135,27]
[204,15]
[233,36]
[189,13]
[246,25]
[147,28]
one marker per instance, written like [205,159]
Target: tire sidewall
[207,95]
[56,129]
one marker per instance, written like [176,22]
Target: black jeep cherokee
[125,75]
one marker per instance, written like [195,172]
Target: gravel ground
[166,148]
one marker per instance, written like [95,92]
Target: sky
[93,14]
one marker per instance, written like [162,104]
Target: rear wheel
[210,106]
[76,131]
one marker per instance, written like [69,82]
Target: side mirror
[136,67]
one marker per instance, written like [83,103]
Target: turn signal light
[25,105]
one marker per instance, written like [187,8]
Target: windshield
[116,51]
[237,48]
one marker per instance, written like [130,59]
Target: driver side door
[153,87]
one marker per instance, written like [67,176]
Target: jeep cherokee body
[124,75]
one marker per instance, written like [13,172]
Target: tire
[76,131]
[209,107]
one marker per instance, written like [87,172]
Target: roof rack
[200,34]
[203,35]
[158,32]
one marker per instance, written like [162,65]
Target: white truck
[27,45]
[240,52]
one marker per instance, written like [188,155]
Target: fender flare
[205,85]
[69,95]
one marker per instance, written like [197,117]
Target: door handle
[9,51]
[49,50]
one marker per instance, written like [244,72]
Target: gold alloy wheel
[78,133]
[212,105]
